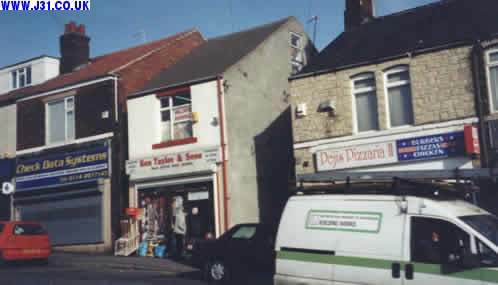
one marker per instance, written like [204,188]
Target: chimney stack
[74,47]
[357,13]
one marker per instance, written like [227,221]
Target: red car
[23,241]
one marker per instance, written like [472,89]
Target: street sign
[8,188]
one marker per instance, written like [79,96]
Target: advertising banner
[62,168]
[431,147]
[365,222]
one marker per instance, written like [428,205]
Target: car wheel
[217,271]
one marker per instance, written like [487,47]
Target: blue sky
[117,24]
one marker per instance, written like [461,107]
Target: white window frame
[19,71]
[387,85]
[171,109]
[489,65]
[67,110]
[300,47]
[354,92]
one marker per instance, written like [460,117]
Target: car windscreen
[486,225]
[28,230]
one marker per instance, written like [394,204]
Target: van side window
[488,257]
[28,230]
[432,240]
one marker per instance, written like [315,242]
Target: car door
[489,264]
[432,245]
[241,247]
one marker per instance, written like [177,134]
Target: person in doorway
[179,225]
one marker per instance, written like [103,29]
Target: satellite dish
[8,188]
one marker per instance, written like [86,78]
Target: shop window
[297,49]
[176,117]
[492,72]
[432,239]
[365,103]
[60,120]
[399,97]
[21,77]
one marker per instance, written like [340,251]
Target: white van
[382,240]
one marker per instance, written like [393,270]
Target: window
[434,240]
[21,77]
[486,225]
[60,120]
[492,70]
[365,103]
[488,257]
[297,60]
[176,117]
[399,97]
[244,232]
[28,230]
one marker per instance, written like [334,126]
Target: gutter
[226,198]
[171,86]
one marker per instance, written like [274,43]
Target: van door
[434,248]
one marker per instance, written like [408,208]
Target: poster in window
[183,113]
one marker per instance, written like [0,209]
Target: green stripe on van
[486,275]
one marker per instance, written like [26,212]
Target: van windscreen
[486,225]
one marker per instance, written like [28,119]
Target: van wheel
[216,271]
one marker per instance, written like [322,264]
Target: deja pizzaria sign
[62,168]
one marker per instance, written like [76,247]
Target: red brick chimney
[74,47]
[357,13]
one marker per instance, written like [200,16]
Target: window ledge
[174,143]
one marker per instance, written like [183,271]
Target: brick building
[71,137]
[398,93]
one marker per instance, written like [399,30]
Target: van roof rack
[421,187]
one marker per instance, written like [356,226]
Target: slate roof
[105,65]
[444,23]
[213,57]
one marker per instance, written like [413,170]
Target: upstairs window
[21,77]
[399,96]
[297,46]
[492,70]
[60,120]
[365,103]
[176,117]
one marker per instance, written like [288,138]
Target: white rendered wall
[144,122]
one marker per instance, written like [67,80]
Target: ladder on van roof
[432,184]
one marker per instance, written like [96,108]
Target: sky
[116,24]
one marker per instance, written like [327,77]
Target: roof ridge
[140,45]
[283,20]
[174,39]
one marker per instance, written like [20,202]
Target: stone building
[398,94]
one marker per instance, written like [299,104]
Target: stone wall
[441,84]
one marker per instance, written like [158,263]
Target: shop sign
[6,169]
[365,222]
[173,164]
[356,156]
[472,140]
[431,147]
[62,168]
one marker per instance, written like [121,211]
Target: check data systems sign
[63,168]
[399,151]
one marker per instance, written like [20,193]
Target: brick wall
[441,84]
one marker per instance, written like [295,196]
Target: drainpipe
[477,64]
[223,150]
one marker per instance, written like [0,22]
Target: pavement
[99,269]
